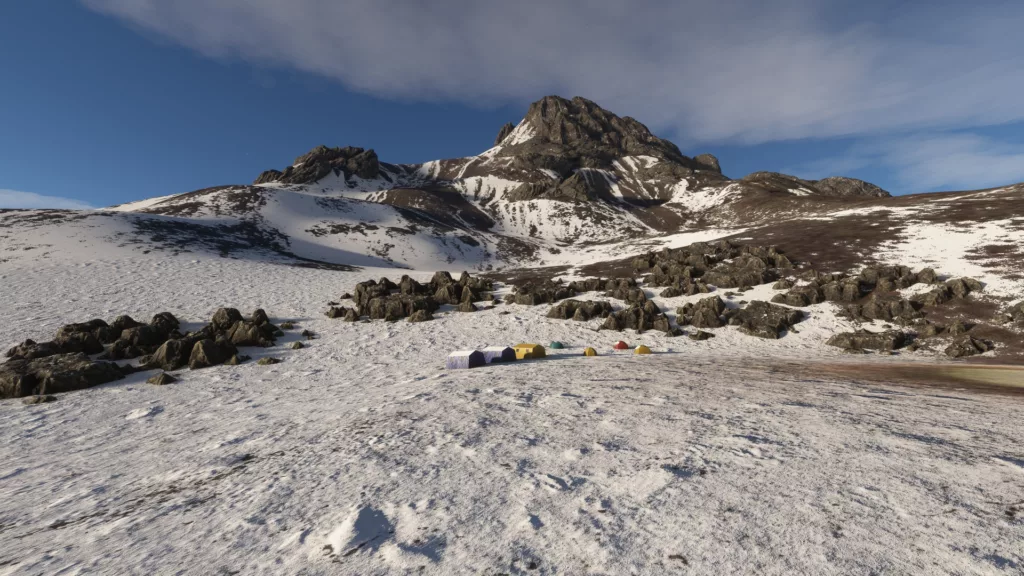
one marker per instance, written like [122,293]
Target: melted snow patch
[948,249]
[703,199]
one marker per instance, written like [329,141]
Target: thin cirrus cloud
[16,199]
[930,161]
[738,71]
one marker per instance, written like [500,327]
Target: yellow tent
[590,352]
[528,351]
[641,349]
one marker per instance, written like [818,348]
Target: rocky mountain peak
[582,129]
[322,161]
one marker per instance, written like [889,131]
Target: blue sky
[107,101]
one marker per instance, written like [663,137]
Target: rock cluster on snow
[724,264]
[384,300]
[63,364]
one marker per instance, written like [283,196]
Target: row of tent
[498,354]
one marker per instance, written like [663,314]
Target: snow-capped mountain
[571,184]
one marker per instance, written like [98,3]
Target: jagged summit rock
[504,132]
[581,130]
[322,161]
[708,162]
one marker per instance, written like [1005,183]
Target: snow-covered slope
[360,454]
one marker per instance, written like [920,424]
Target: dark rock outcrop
[968,346]
[322,161]
[766,320]
[207,353]
[54,374]
[580,311]
[706,313]
[865,340]
[504,132]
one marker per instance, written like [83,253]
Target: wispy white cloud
[742,71]
[930,161]
[17,199]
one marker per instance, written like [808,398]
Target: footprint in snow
[144,413]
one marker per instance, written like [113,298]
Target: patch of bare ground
[982,317]
[996,379]
[841,244]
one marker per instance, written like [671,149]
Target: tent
[590,352]
[499,354]
[556,345]
[620,345]
[641,349]
[528,351]
[465,359]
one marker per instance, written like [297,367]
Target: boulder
[420,316]
[30,350]
[701,335]
[783,284]
[580,311]
[337,312]
[237,359]
[1015,313]
[207,353]
[259,317]
[249,334]
[164,322]
[766,320]
[706,313]
[172,355]
[885,308]
[940,295]
[162,379]
[267,361]
[224,318]
[865,340]
[968,346]
[145,336]
[124,322]
[927,276]
[84,342]
[54,374]
[466,307]
[846,290]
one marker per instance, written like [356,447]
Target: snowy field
[361,455]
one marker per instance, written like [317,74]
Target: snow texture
[362,454]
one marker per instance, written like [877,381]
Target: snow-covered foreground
[361,455]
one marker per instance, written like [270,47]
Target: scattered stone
[308,334]
[162,379]
[267,361]
[287,325]
[466,307]
[957,328]
[296,346]
[237,359]
[701,335]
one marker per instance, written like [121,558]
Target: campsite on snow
[579,351]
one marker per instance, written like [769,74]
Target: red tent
[620,345]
